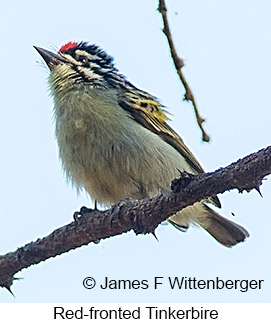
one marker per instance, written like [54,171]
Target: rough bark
[142,216]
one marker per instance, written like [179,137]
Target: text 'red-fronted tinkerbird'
[114,140]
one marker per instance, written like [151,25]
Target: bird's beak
[50,58]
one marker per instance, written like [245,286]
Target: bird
[115,141]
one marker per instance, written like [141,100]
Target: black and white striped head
[83,63]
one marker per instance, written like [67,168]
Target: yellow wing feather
[148,111]
[148,105]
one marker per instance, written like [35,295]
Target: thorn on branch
[257,188]
[153,233]
[9,289]
[8,283]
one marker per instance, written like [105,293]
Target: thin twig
[179,64]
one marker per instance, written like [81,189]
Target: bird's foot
[83,211]
[116,209]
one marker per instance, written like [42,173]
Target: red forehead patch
[67,46]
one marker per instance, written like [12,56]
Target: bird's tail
[223,230]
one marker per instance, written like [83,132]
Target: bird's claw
[83,211]
[116,209]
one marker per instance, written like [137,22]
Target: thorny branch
[142,216]
[179,64]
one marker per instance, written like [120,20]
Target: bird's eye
[83,59]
